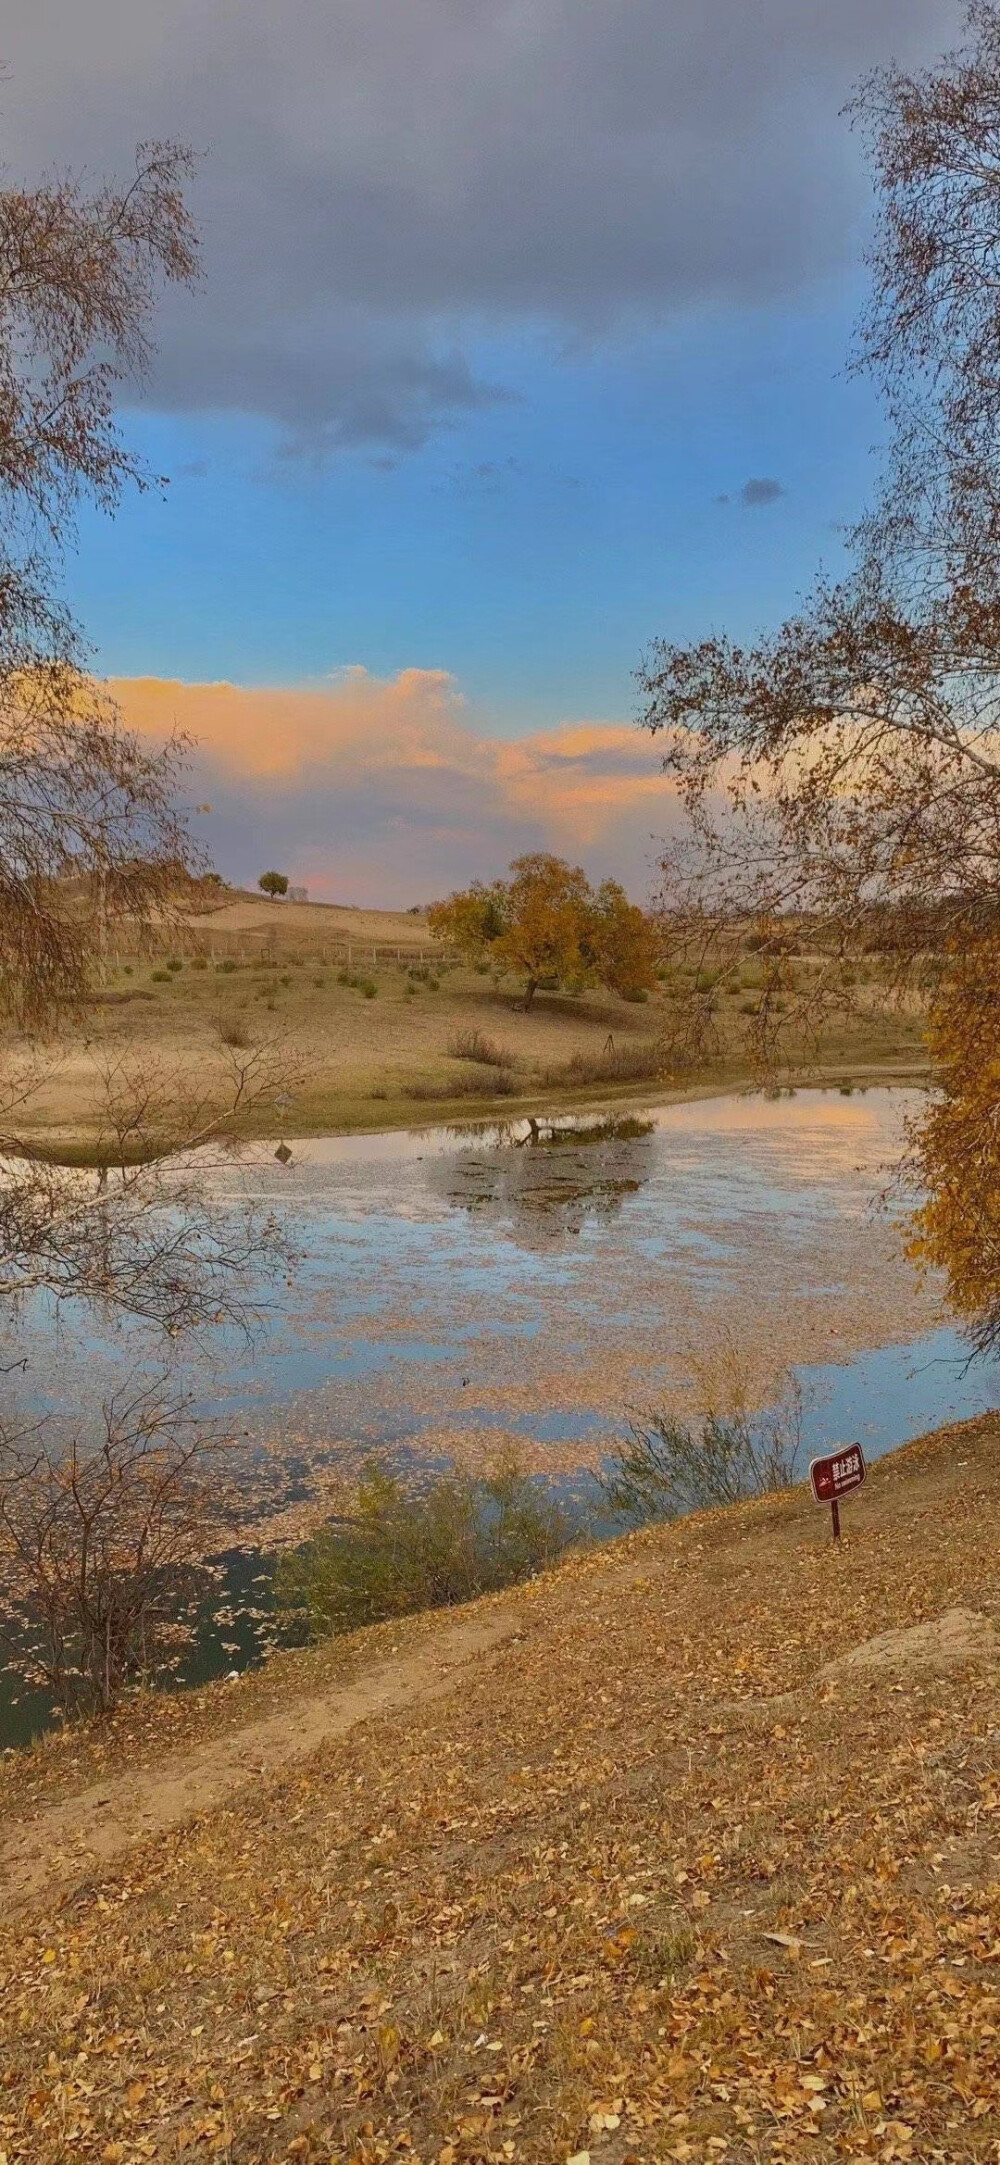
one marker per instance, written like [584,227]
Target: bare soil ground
[694,1863]
[367,1026]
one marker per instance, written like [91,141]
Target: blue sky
[531,549]
[500,298]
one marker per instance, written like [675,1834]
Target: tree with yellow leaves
[547,925]
[954,1160]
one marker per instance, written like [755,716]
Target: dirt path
[66,1843]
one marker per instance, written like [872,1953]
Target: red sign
[839,1475]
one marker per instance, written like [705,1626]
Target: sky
[521,340]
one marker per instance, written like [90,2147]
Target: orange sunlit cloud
[381,791]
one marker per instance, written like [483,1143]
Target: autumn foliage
[547,925]
[842,774]
[955,1158]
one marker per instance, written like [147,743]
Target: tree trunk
[529,992]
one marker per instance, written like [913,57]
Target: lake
[541,1285]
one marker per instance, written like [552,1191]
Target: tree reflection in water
[541,1181]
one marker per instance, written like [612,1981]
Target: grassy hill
[375,1025]
[673,1854]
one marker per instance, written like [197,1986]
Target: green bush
[226,968]
[175,963]
[160,977]
[199,962]
[668,1467]
[401,1551]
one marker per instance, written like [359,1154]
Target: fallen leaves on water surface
[581,1904]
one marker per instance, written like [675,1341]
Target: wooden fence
[274,949]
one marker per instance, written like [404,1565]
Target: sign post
[835,1476]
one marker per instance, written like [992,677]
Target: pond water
[541,1285]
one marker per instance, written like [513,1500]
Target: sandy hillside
[319,921]
[688,1851]
[379,1030]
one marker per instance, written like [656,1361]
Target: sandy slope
[665,1875]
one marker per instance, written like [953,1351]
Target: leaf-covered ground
[600,1898]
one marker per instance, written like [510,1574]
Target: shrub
[233,1031]
[227,967]
[199,962]
[399,1551]
[104,1549]
[475,1045]
[669,1466]
[175,963]
[159,977]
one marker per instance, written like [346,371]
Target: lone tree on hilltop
[273,884]
[547,924]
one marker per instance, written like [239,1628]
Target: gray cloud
[760,490]
[391,186]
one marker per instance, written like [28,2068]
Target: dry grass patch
[491,1083]
[475,1045]
[643,1062]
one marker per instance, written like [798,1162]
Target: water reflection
[541,1181]
[540,1283]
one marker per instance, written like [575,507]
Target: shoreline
[450,1112]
